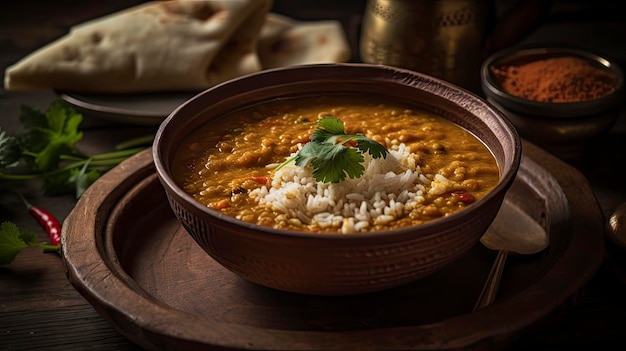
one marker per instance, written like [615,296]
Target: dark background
[598,320]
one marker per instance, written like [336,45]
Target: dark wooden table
[40,309]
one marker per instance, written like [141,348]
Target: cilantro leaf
[332,125]
[31,118]
[10,152]
[57,183]
[330,155]
[69,181]
[63,119]
[12,241]
[337,162]
[82,178]
[49,135]
[321,135]
[308,153]
[374,148]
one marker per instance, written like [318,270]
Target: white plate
[139,109]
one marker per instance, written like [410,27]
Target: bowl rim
[377,73]
[492,89]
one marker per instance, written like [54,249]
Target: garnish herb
[46,148]
[13,240]
[331,155]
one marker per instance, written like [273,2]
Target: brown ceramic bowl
[337,264]
[563,128]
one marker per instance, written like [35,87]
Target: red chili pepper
[463,196]
[262,180]
[47,221]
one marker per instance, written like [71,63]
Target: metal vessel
[442,38]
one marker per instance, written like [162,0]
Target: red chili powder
[556,79]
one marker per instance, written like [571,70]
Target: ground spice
[556,79]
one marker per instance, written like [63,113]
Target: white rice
[388,189]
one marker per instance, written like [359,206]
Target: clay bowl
[337,264]
[563,128]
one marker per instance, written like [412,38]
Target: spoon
[617,227]
[513,230]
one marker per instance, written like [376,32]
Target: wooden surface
[127,254]
[41,310]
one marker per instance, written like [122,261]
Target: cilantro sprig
[331,155]
[13,240]
[47,149]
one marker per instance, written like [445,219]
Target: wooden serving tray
[127,255]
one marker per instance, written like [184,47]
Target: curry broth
[221,162]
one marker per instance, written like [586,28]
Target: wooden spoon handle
[490,289]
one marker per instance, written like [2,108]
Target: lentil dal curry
[432,168]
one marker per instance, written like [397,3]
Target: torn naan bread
[176,45]
[170,45]
[285,42]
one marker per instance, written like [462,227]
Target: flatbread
[176,45]
[157,46]
[285,42]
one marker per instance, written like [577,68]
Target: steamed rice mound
[389,189]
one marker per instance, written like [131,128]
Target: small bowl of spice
[560,98]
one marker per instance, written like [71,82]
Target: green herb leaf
[372,147]
[10,152]
[47,146]
[328,127]
[58,183]
[49,135]
[331,163]
[329,156]
[12,241]
[82,179]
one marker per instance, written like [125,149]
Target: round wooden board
[127,255]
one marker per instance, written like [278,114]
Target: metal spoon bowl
[617,227]
[513,230]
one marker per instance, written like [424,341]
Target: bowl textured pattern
[338,264]
[351,265]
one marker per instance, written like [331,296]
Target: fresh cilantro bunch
[46,147]
[331,155]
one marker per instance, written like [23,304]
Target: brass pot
[441,38]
